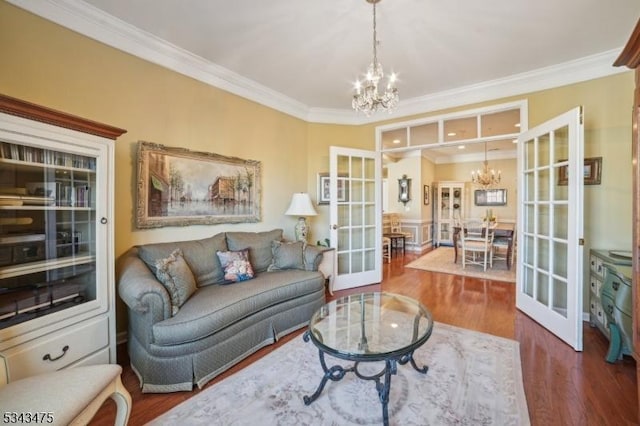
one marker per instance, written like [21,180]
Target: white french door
[550,231]
[355,216]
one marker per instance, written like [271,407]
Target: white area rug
[441,260]
[473,379]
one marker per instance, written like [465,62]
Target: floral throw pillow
[236,265]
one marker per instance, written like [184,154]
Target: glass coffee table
[369,327]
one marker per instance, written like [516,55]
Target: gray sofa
[173,347]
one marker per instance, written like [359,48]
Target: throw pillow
[287,255]
[236,265]
[258,243]
[176,276]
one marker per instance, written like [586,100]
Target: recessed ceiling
[311,52]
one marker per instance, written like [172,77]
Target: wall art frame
[324,197]
[490,197]
[180,187]
[425,195]
[592,172]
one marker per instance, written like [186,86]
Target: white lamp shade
[301,205]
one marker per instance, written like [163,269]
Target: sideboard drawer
[57,350]
[592,263]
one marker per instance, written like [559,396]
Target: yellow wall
[44,63]
[461,172]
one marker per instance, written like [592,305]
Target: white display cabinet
[57,291]
[448,205]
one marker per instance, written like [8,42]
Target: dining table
[500,230]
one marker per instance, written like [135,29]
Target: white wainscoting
[422,234]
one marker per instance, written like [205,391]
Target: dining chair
[394,219]
[501,247]
[476,244]
[386,249]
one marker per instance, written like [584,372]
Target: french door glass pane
[560,220]
[560,297]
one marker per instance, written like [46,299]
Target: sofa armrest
[139,288]
[313,256]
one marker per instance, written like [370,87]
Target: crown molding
[91,22]
[578,70]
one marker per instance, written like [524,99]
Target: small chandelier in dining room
[486,177]
[367,97]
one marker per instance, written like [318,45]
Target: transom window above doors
[455,134]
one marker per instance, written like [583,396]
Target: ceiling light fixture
[367,97]
[487,177]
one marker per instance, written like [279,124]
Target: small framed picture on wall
[323,188]
[426,194]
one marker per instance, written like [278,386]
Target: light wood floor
[563,387]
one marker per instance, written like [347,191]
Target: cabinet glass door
[445,203]
[47,231]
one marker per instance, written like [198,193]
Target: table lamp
[301,206]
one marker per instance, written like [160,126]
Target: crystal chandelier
[487,177]
[367,97]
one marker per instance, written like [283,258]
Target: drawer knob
[47,357]
[610,309]
[615,285]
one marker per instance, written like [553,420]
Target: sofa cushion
[215,307]
[236,265]
[287,255]
[259,245]
[176,276]
[200,255]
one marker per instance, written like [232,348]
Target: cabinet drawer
[600,315]
[599,269]
[608,305]
[592,263]
[57,350]
[595,285]
[624,299]
[100,357]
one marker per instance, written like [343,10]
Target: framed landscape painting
[180,187]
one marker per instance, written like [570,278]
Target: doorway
[447,148]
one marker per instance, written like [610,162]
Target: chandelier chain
[375,38]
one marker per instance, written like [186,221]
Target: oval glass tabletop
[370,326]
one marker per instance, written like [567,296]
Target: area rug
[441,260]
[473,379]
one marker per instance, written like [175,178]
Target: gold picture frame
[592,172]
[180,187]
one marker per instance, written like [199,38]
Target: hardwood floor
[563,387]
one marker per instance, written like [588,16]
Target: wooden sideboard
[630,57]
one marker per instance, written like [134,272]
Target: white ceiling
[302,57]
